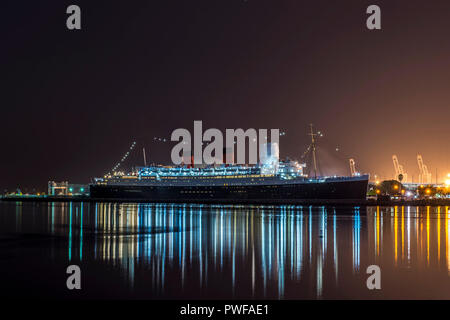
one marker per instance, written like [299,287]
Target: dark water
[161,251]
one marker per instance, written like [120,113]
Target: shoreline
[317,202]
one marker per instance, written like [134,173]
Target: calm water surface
[171,251]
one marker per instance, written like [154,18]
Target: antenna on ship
[313,147]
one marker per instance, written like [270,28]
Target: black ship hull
[272,193]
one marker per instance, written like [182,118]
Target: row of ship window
[210,191]
[200,177]
[209,177]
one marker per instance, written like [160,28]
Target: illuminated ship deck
[225,184]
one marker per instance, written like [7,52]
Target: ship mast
[313,145]
[145,158]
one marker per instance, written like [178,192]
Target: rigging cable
[125,156]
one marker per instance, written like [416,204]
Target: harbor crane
[400,173]
[424,176]
[353,168]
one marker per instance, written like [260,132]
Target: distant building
[65,188]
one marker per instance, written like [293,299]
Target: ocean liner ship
[263,183]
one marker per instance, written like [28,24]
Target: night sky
[72,102]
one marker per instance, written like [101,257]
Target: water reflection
[251,251]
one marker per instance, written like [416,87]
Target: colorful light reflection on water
[202,251]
